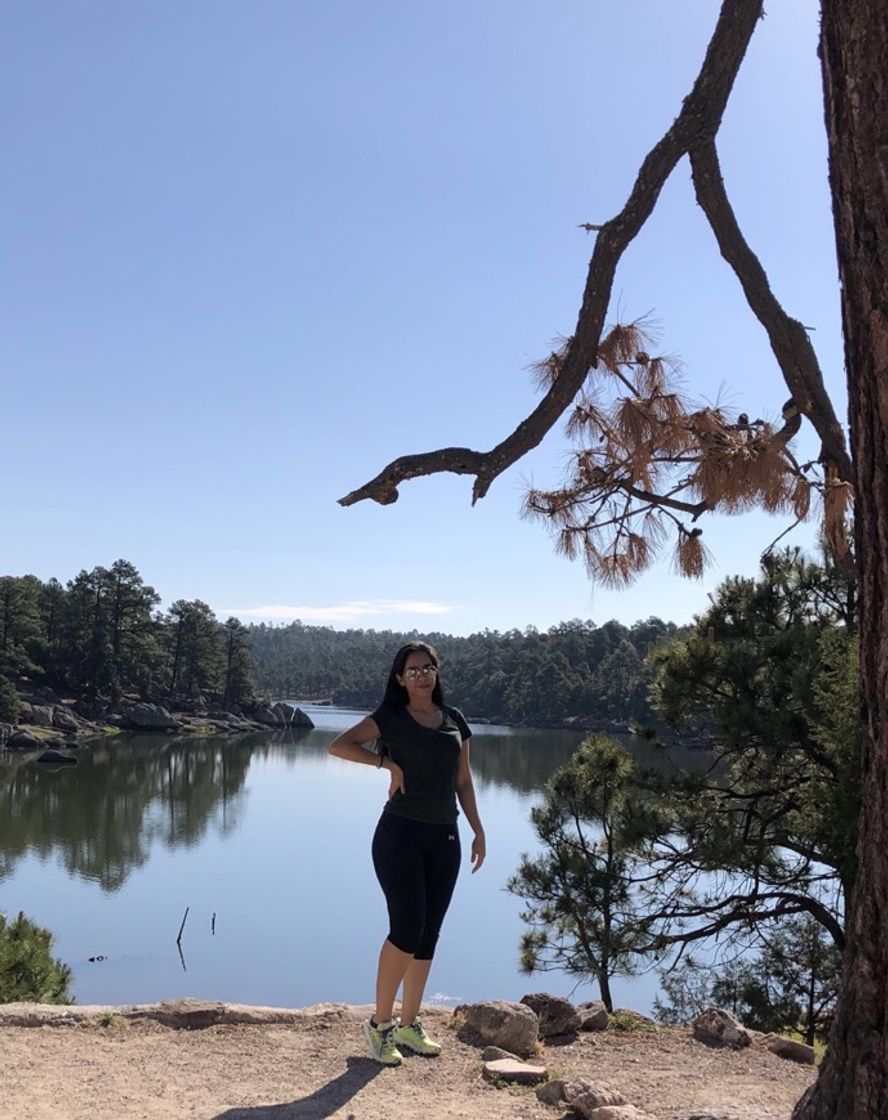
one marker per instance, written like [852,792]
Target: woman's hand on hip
[397,778]
[479,851]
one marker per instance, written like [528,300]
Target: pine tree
[28,971]
[581,904]
[239,688]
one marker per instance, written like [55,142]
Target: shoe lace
[388,1038]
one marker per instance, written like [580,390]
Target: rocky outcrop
[64,719]
[281,715]
[513,1026]
[300,719]
[557,1015]
[284,712]
[717,1027]
[148,717]
[37,715]
[268,716]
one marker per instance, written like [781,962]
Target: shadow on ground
[318,1105]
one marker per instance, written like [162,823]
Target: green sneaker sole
[391,1060]
[403,1040]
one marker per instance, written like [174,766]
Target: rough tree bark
[853,1081]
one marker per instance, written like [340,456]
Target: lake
[265,839]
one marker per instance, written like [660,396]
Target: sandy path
[315,1068]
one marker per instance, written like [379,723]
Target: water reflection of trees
[522,759]
[101,818]
[526,760]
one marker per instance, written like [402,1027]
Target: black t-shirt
[429,758]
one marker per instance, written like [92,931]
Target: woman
[424,746]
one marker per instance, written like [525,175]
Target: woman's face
[419,676]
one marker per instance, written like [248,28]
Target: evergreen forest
[575,670]
[101,637]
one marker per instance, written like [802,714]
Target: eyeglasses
[417,671]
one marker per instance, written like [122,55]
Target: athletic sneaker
[415,1039]
[381,1040]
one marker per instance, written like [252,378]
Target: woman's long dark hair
[395,693]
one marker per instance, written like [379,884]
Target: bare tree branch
[788,337]
[696,124]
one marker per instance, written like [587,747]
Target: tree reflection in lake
[101,817]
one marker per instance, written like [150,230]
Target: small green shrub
[623,1020]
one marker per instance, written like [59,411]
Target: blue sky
[252,252]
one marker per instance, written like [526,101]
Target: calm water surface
[271,835]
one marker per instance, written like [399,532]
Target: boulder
[268,716]
[790,1049]
[511,1070]
[39,715]
[300,719]
[148,717]
[556,1014]
[22,741]
[585,1098]
[494,1053]
[593,1016]
[283,711]
[56,758]
[64,719]
[500,1022]
[596,1094]
[551,1093]
[717,1027]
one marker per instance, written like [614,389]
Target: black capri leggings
[416,864]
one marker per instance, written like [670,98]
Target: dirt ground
[112,1068]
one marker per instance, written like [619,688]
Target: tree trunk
[853,1081]
[604,988]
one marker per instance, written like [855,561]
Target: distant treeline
[100,637]
[575,669]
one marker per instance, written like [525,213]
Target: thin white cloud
[339,612]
